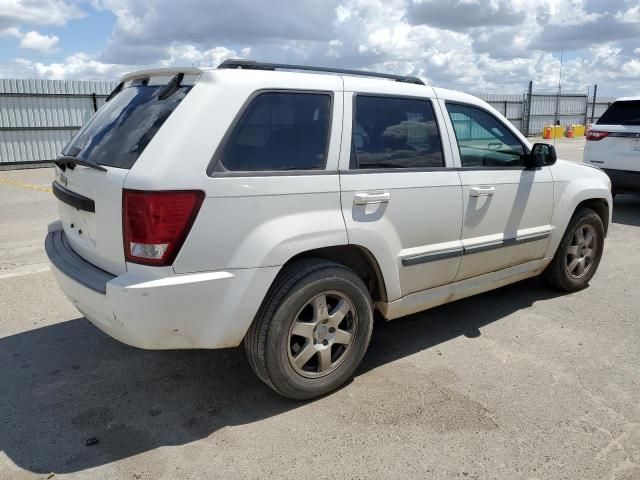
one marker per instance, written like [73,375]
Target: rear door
[619,149]
[90,199]
[400,198]
[507,208]
[272,189]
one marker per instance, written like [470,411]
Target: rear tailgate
[90,199]
[95,235]
[618,150]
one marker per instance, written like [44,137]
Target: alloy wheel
[581,251]
[322,334]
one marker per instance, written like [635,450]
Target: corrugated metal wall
[511,106]
[571,109]
[38,117]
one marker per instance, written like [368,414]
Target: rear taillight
[594,135]
[155,224]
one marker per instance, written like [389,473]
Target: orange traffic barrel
[547,133]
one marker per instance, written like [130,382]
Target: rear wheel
[312,331]
[578,254]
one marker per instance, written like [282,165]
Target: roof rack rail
[254,65]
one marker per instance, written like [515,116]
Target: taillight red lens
[594,135]
[155,224]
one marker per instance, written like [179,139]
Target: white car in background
[260,205]
[613,144]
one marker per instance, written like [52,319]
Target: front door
[400,200]
[507,207]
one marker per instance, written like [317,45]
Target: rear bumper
[623,180]
[73,265]
[198,310]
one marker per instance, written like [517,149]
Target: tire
[294,323]
[563,273]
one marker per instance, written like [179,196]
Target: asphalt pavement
[521,382]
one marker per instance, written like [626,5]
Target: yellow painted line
[16,183]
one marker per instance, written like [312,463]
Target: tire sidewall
[281,373]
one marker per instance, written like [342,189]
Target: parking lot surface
[571,149]
[520,382]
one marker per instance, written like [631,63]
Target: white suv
[277,208]
[613,144]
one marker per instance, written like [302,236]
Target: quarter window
[391,132]
[483,140]
[280,131]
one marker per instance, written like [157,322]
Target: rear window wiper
[67,161]
[171,87]
[114,92]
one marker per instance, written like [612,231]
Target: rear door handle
[482,191]
[369,198]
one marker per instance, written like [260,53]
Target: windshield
[121,129]
[621,113]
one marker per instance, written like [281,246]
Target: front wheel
[579,253]
[312,331]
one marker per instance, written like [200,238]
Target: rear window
[121,129]
[621,113]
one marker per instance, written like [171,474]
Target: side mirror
[541,154]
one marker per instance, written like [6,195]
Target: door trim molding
[507,242]
[469,250]
[432,256]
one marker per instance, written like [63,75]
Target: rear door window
[621,113]
[279,131]
[394,132]
[121,129]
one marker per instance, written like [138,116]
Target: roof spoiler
[154,72]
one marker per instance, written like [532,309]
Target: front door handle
[482,191]
[369,198]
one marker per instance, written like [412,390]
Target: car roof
[352,83]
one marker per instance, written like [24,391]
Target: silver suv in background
[613,144]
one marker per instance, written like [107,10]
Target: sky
[469,45]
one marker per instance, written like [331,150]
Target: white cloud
[79,65]
[630,16]
[37,41]
[32,40]
[190,55]
[472,45]
[39,12]
[15,14]
[334,48]
[631,69]
[10,32]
